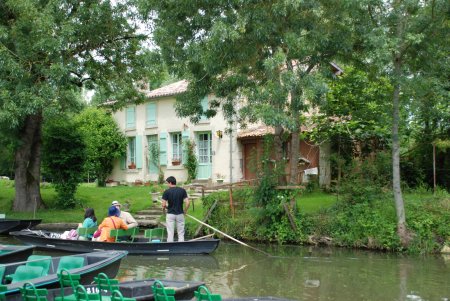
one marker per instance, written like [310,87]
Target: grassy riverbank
[318,217]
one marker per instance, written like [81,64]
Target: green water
[303,273]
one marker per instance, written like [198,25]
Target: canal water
[304,273]
[301,273]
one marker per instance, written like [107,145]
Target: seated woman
[113,221]
[90,221]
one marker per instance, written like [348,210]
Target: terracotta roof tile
[171,89]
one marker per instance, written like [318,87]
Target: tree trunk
[295,154]
[278,147]
[295,140]
[402,230]
[28,165]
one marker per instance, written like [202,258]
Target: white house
[156,123]
[231,156]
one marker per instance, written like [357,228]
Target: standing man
[125,216]
[173,199]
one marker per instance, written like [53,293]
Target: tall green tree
[49,50]
[276,53]
[64,155]
[104,141]
[407,41]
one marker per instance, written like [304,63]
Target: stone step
[148,223]
[147,216]
[150,211]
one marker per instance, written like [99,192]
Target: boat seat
[117,233]
[30,293]
[160,293]
[3,289]
[82,295]
[70,262]
[105,284]
[2,272]
[203,293]
[117,296]
[66,279]
[41,261]
[155,234]
[86,231]
[25,272]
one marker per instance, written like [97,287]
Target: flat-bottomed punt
[42,270]
[12,253]
[51,241]
[10,224]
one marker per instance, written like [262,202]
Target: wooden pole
[434,168]
[228,236]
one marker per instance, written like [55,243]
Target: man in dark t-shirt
[173,200]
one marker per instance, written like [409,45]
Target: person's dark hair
[112,211]
[171,180]
[90,213]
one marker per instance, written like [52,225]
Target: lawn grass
[311,202]
[88,195]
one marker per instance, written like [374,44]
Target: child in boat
[90,221]
[113,221]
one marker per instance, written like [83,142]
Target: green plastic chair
[3,289]
[105,284]
[82,295]
[160,293]
[117,233]
[31,293]
[2,271]
[24,272]
[41,261]
[85,232]
[155,234]
[117,296]
[66,279]
[69,263]
[203,293]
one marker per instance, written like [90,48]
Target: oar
[226,235]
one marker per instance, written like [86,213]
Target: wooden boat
[11,253]
[50,240]
[141,290]
[9,224]
[88,265]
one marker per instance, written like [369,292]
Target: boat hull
[97,262]
[140,290]
[197,247]
[7,225]
[15,253]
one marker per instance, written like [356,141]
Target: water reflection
[305,273]
[302,273]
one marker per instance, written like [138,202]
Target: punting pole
[228,236]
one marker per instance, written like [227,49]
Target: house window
[130,118]
[177,147]
[151,114]
[204,148]
[131,152]
[204,104]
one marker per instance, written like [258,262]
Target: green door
[153,154]
[204,151]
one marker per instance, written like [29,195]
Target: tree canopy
[49,50]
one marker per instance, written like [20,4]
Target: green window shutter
[151,114]
[123,162]
[163,148]
[204,103]
[130,118]
[184,138]
[139,151]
